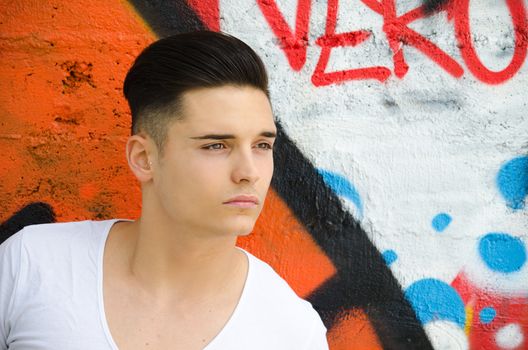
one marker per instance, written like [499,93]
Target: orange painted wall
[63,119]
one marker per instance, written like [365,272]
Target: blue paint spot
[512,181]
[342,187]
[434,300]
[390,256]
[487,315]
[502,252]
[441,221]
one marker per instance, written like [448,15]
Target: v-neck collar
[100,301]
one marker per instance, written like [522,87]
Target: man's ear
[139,157]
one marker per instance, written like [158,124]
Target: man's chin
[243,228]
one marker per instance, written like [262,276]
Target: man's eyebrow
[230,136]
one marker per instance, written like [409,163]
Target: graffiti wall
[397,205]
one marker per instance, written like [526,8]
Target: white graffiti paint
[446,336]
[509,336]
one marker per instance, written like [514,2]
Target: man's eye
[265,145]
[215,146]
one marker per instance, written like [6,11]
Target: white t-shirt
[51,297]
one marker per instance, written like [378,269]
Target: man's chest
[136,323]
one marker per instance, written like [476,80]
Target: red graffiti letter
[398,34]
[294,45]
[331,40]
[463,34]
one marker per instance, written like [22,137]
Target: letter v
[293,44]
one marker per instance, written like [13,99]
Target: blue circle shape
[434,300]
[389,256]
[441,221]
[502,252]
[512,181]
[487,314]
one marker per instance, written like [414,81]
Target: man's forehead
[227,112]
[207,126]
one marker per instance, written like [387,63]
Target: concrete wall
[398,201]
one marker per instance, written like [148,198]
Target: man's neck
[171,263]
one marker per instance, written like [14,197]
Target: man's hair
[165,70]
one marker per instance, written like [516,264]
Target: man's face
[221,149]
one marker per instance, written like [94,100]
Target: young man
[201,147]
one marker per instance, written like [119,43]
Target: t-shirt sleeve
[10,261]
[317,337]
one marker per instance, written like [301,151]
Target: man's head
[203,133]
[170,67]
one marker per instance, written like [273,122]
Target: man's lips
[243,201]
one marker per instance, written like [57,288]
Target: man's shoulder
[61,226]
[273,315]
[48,239]
[70,228]
[45,234]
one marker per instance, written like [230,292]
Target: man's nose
[244,167]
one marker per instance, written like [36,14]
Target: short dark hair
[171,66]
